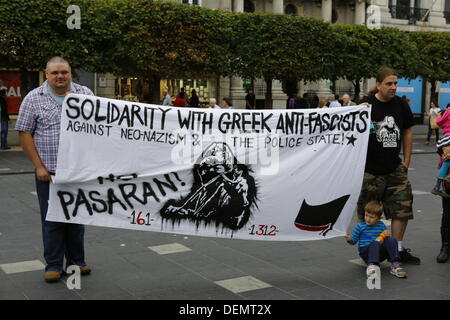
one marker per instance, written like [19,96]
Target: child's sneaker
[398,272]
[439,189]
[371,272]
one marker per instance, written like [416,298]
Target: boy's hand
[347,236]
[387,233]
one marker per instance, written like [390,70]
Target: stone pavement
[145,265]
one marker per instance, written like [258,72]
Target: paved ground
[143,265]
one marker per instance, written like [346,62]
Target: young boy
[375,243]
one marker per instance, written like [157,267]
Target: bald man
[39,123]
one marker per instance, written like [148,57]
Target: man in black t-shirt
[386,175]
[250,100]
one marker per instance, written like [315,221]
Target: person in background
[291,101]
[4,121]
[167,101]
[194,101]
[346,101]
[323,103]
[250,99]
[315,102]
[213,104]
[433,113]
[443,122]
[335,103]
[227,103]
[180,100]
[302,103]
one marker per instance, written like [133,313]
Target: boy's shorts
[393,190]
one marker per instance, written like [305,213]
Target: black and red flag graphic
[321,217]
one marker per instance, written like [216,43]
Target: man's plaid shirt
[40,115]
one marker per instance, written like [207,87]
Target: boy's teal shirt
[365,234]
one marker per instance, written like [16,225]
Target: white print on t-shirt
[387,132]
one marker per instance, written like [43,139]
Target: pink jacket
[444,122]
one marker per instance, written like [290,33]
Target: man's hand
[42,174]
[347,236]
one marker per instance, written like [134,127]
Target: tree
[282,47]
[353,59]
[434,50]
[171,40]
[362,51]
[32,31]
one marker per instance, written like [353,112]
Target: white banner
[249,174]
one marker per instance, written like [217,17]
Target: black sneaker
[407,257]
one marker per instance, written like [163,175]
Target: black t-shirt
[388,122]
[251,99]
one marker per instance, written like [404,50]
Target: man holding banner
[386,176]
[39,124]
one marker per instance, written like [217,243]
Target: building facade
[410,15]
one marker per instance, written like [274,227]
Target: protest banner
[287,175]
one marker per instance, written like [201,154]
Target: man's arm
[407,146]
[28,146]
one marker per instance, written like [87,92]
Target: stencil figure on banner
[39,124]
[222,175]
[223,191]
[386,175]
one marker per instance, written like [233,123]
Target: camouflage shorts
[393,190]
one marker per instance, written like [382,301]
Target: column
[327,7]
[278,6]
[324,85]
[360,12]
[237,93]
[238,5]
[436,17]
[278,96]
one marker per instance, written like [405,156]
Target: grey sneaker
[398,272]
[371,272]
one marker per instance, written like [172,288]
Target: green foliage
[434,48]
[394,49]
[172,40]
[278,46]
[353,54]
[31,31]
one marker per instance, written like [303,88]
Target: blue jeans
[443,171]
[377,252]
[3,134]
[60,239]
